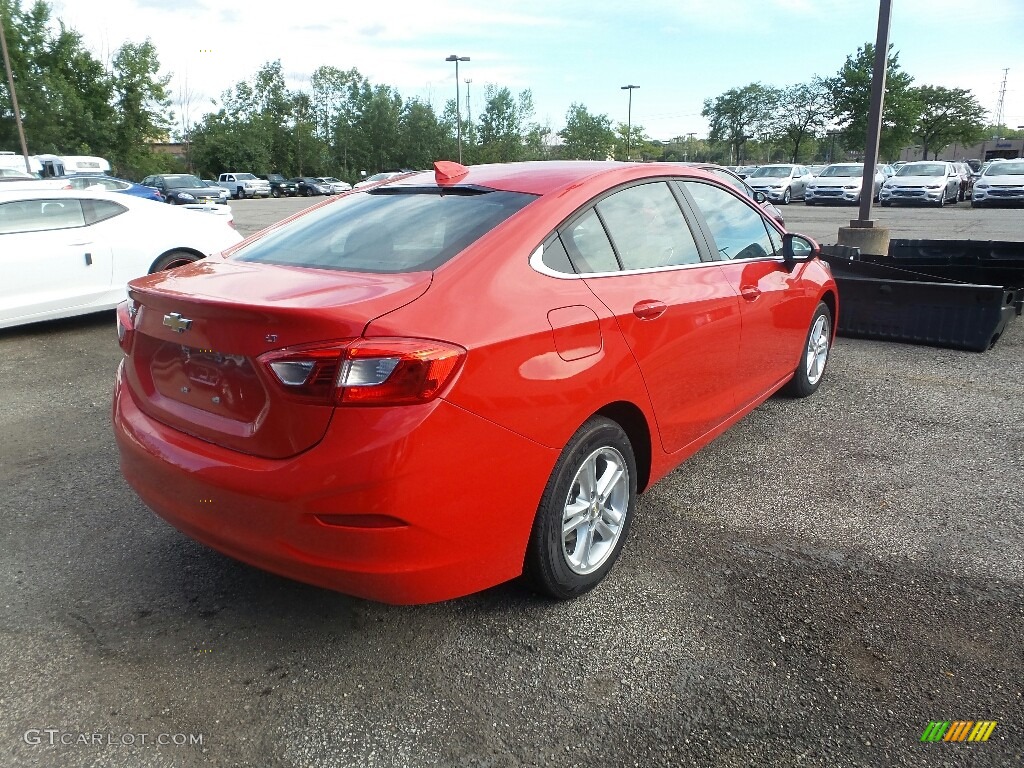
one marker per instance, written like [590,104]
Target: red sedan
[417,391]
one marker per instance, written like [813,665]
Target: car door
[774,303]
[50,259]
[678,313]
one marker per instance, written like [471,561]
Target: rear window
[387,230]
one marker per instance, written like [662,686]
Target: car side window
[588,246]
[739,231]
[101,210]
[556,258]
[647,228]
[40,215]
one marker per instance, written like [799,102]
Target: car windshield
[387,230]
[332,180]
[922,169]
[182,182]
[244,176]
[775,172]
[1005,169]
[856,171]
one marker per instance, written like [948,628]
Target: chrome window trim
[538,265]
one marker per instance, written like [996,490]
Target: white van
[17,162]
[69,165]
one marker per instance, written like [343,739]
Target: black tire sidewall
[800,385]
[161,264]
[545,562]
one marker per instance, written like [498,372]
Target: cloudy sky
[679,52]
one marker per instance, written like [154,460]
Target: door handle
[750,292]
[649,309]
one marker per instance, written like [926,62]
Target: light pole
[629,114]
[458,107]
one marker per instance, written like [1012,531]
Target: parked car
[182,189]
[924,181]
[745,170]
[331,389]
[13,179]
[112,184]
[243,185]
[734,181]
[377,178]
[334,186]
[280,186]
[223,192]
[1001,183]
[839,183]
[781,182]
[14,173]
[308,186]
[72,252]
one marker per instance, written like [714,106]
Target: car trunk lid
[195,345]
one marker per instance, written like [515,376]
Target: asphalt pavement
[812,589]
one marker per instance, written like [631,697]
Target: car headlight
[812,186]
[186,196]
[851,186]
[936,186]
[981,185]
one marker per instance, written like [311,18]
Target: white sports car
[69,252]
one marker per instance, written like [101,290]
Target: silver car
[781,183]
[929,182]
[1001,182]
[839,183]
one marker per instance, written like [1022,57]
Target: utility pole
[689,146]
[1002,99]
[629,115]
[14,96]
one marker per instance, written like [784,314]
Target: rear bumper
[428,503]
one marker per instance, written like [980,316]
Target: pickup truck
[243,185]
[280,186]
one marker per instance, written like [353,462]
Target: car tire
[886,203]
[787,196]
[241,194]
[814,357]
[275,193]
[808,202]
[942,200]
[173,259]
[564,560]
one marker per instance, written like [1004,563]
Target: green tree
[947,115]
[851,94]
[740,113]
[64,94]
[586,136]
[803,111]
[501,121]
[640,144]
[142,103]
[421,136]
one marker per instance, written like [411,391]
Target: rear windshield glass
[387,230]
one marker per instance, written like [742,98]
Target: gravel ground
[810,590]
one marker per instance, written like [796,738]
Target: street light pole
[458,107]
[629,114]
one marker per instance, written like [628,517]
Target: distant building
[986,150]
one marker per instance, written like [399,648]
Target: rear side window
[739,231]
[101,210]
[588,246]
[647,227]
[388,230]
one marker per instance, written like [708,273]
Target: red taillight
[126,325]
[384,371]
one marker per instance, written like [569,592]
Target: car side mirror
[760,197]
[797,249]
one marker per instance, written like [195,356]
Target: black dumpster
[879,300]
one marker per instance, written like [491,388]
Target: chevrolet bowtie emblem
[176,322]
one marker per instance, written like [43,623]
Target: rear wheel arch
[633,422]
[169,259]
[829,300]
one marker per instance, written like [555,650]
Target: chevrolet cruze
[432,386]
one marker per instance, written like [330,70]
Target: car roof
[544,176]
[7,196]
